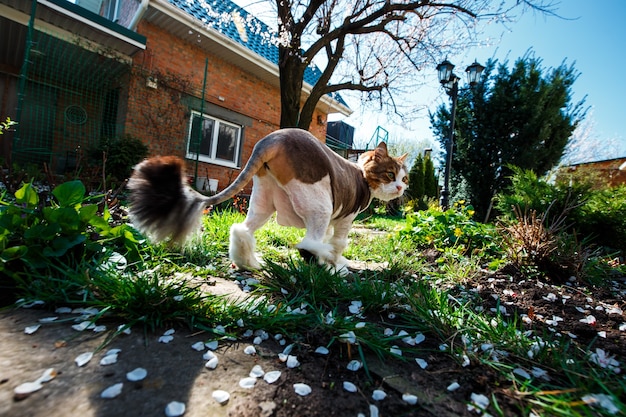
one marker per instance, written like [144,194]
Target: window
[216,141]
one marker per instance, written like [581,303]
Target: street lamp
[450,83]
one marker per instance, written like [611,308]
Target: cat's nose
[399,188]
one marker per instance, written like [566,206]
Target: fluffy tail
[163,206]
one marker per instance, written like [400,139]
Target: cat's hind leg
[242,242]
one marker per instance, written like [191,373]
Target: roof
[241,27]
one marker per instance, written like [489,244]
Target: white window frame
[212,158]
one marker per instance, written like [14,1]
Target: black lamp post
[450,83]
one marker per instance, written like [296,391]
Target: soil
[176,372]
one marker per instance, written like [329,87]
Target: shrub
[596,216]
[452,229]
[120,155]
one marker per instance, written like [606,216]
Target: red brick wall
[161,119]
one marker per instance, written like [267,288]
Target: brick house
[200,83]
[607,173]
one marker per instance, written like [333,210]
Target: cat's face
[386,176]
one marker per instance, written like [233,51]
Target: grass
[307,302]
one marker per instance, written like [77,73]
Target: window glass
[226,142]
[213,140]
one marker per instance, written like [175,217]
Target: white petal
[63,310]
[419,338]
[287,350]
[82,326]
[169,333]
[521,372]
[47,319]
[108,360]
[199,346]
[354,365]
[48,375]
[249,350]
[212,344]
[208,355]
[257,371]
[349,337]
[113,391]
[292,362]
[302,389]
[175,409]
[124,329]
[32,329]
[373,410]
[379,395]
[321,350]
[100,329]
[247,382]
[421,362]
[212,363]
[349,386]
[166,338]
[83,358]
[271,377]
[27,388]
[137,374]
[453,386]
[409,399]
[220,396]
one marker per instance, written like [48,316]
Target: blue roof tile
[258,37]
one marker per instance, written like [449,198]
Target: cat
[294,175]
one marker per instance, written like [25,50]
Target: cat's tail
[163,205]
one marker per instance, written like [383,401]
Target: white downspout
[139,14]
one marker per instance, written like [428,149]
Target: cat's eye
[405,179]
[391,176]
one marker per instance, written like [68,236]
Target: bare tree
[373,46]
[585,146]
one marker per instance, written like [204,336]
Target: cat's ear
[381,151]
[402,158]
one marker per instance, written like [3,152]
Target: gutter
[139,14]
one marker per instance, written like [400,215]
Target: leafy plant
[58,234]
[453,229]
[6,125]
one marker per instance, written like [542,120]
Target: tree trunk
[291,76]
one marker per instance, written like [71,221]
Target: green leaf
[67,218]
[70,194]
[27,195]
[13,252]
[99,223]
[42,231]
[88,212]
[61,245]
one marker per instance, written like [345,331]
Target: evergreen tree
[416,179]
[430,181]
[521,117]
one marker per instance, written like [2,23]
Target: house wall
[601,174]
[160,116]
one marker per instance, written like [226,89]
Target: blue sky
[592,35]
[589,34]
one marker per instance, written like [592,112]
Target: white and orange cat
[294,175]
